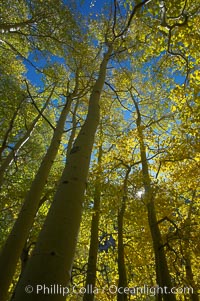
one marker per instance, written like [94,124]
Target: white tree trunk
[52,258]
[12,249]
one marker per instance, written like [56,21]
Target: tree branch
[35,105]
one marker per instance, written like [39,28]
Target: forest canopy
[99,150]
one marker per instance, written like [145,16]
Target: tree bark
[190,278]
[52,258]
[94,242]
[73,132]
[162,271]
[187,250]
[122,283]
[13,247]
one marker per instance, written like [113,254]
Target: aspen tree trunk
[162,271]
[94,241]
[13,247]
[190,278]
[9,130]
[53,255]
[121,263]
[25,252]
[187,256]
[8,160]
[73,132]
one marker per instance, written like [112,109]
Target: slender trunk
[11,123]
[190,278]
[9,159]
[94,242]
[187,256]
[122,283]
[162,271]
[25,255]
[73,132]
[52,258]
[16,240]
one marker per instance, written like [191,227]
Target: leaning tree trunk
[162,271]
[53,255]
[122,283]
[94,242]
[25,255]
[13,247]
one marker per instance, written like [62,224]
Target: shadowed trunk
[94,242]
[122,283]
[187,255]
[13,247]
[162,271]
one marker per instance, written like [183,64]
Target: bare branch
[164,23]
[135,9]
[117,96]
[35,105]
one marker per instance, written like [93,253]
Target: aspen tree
[94,241]
[120,260]
[53,255]
[162,271]
[17,238]
[187,252]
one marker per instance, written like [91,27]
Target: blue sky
[92,6]
[39,61]
[86,7]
